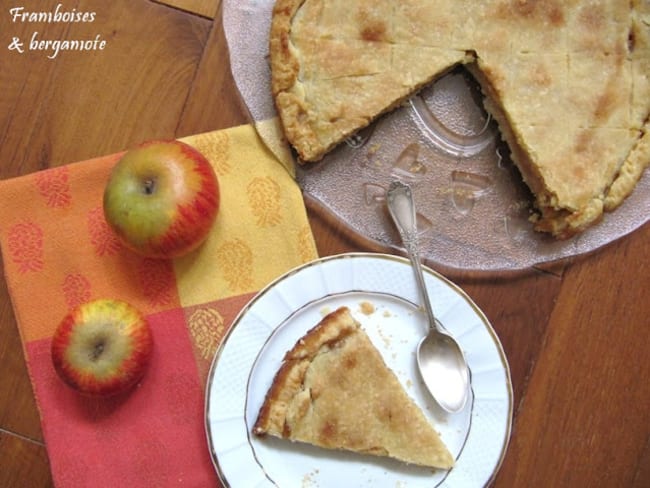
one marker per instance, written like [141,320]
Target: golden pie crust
[567,81]
[334,391]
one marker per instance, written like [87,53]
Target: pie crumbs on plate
[567,82]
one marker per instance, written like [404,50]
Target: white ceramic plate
[270,324]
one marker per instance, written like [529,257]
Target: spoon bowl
[442,367]
[440,359]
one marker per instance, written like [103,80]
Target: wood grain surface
[576,333]
[206,8]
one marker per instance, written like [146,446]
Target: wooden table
[576,334]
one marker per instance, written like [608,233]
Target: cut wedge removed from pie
[334,391]
[567,82]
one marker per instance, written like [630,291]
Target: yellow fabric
[272,134]
[262,228]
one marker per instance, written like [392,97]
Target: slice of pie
[334,391]
[567,82]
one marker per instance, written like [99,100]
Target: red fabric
[151,436]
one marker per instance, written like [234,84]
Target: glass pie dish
[474,207]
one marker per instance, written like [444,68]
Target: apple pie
[567,82]
[334,391]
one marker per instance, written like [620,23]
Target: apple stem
[97,351]
[149,185]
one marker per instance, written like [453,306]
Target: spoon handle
[402,210]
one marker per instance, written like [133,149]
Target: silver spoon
[441,361]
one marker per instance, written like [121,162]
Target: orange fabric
[58,251]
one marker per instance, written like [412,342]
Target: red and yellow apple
[162,198]
[102,347]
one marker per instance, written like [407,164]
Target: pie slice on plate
[567,82]
[334,391]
